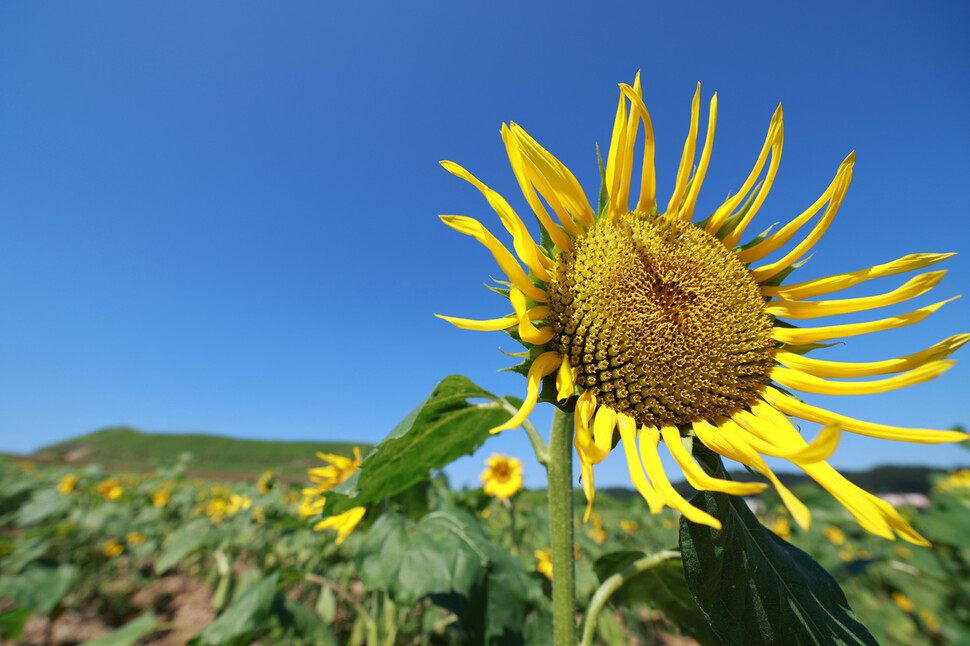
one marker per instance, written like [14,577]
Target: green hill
[132,450]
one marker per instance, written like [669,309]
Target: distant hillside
[129,449]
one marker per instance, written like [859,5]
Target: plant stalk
[613,583]
[560,470]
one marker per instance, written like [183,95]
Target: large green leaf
[39,587]
[446,426]
[128,634]
[181,543]
[755,588]
[241,619]
[661,587]
[44,504]
[12,623]
[445,556]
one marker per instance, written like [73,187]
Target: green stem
[613,583]
[560,470]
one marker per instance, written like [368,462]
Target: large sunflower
[655,327]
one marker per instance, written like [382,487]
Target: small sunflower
[502,477]
[324,479]
[655,327]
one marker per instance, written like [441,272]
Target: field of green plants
[109,558]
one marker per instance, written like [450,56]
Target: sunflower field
[95,557]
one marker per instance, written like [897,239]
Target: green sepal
[737,216]
[604,197]
[777,279]
[545,241]
[808,347]
[758,239]
[498,290]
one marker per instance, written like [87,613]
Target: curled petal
[820,368]
[545,364]
[797,380]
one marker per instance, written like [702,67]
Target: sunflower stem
[613,583]
[560,470]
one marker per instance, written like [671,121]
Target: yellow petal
[687,158]
[696,476]
[797,380]
[628,437]
[545,364]
[615,160]
[805,336]
[508,263]
[630,134]
[687,211]
[527,331]
[490,325]
[795,408]
[806,309]
[765,272]
[820,368]
[525,247]
[586,473]
[648,178]
[555,182]
[648,438]
[524,171]
[731,239]
[565,380]
[783,235]
[783,441]
[722,213]
[829,284]
[727,438]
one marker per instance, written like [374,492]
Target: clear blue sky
[222,216]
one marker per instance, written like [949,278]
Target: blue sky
[222,217]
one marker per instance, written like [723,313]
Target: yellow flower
[954,480]
[596,533]
[135,538]
[66,484]
[782,527]
[112,548]
[657,327]
[932,624]
[544,565]
[266,482]
[237,502]
[344,523]
[903,602]
[310,506]
[339,469]
[110,489]
[629,526]
[160,498]
[502,477]
[26,466]
[258,515]
[835,535]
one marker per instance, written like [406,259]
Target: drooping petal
[795,408]
[722,213]
[799,309]
[603,425]
[781,440]
[527,331]
[648,439]
[525,247]
[830,284]
[489,325]
[565,380]
[628,437]
[806,336]
[783,235]
[687,158]
[696,477]
[508,263]
[545,364]
[820,368]
[727,438]
[797,380]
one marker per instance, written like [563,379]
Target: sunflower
[658,327]
[324,479]
[502,477]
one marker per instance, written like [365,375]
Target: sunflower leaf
[755,588]
[446,426]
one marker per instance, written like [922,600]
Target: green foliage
[241,619]
[755,588]
[446,426]
[130,634]
[39,587]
